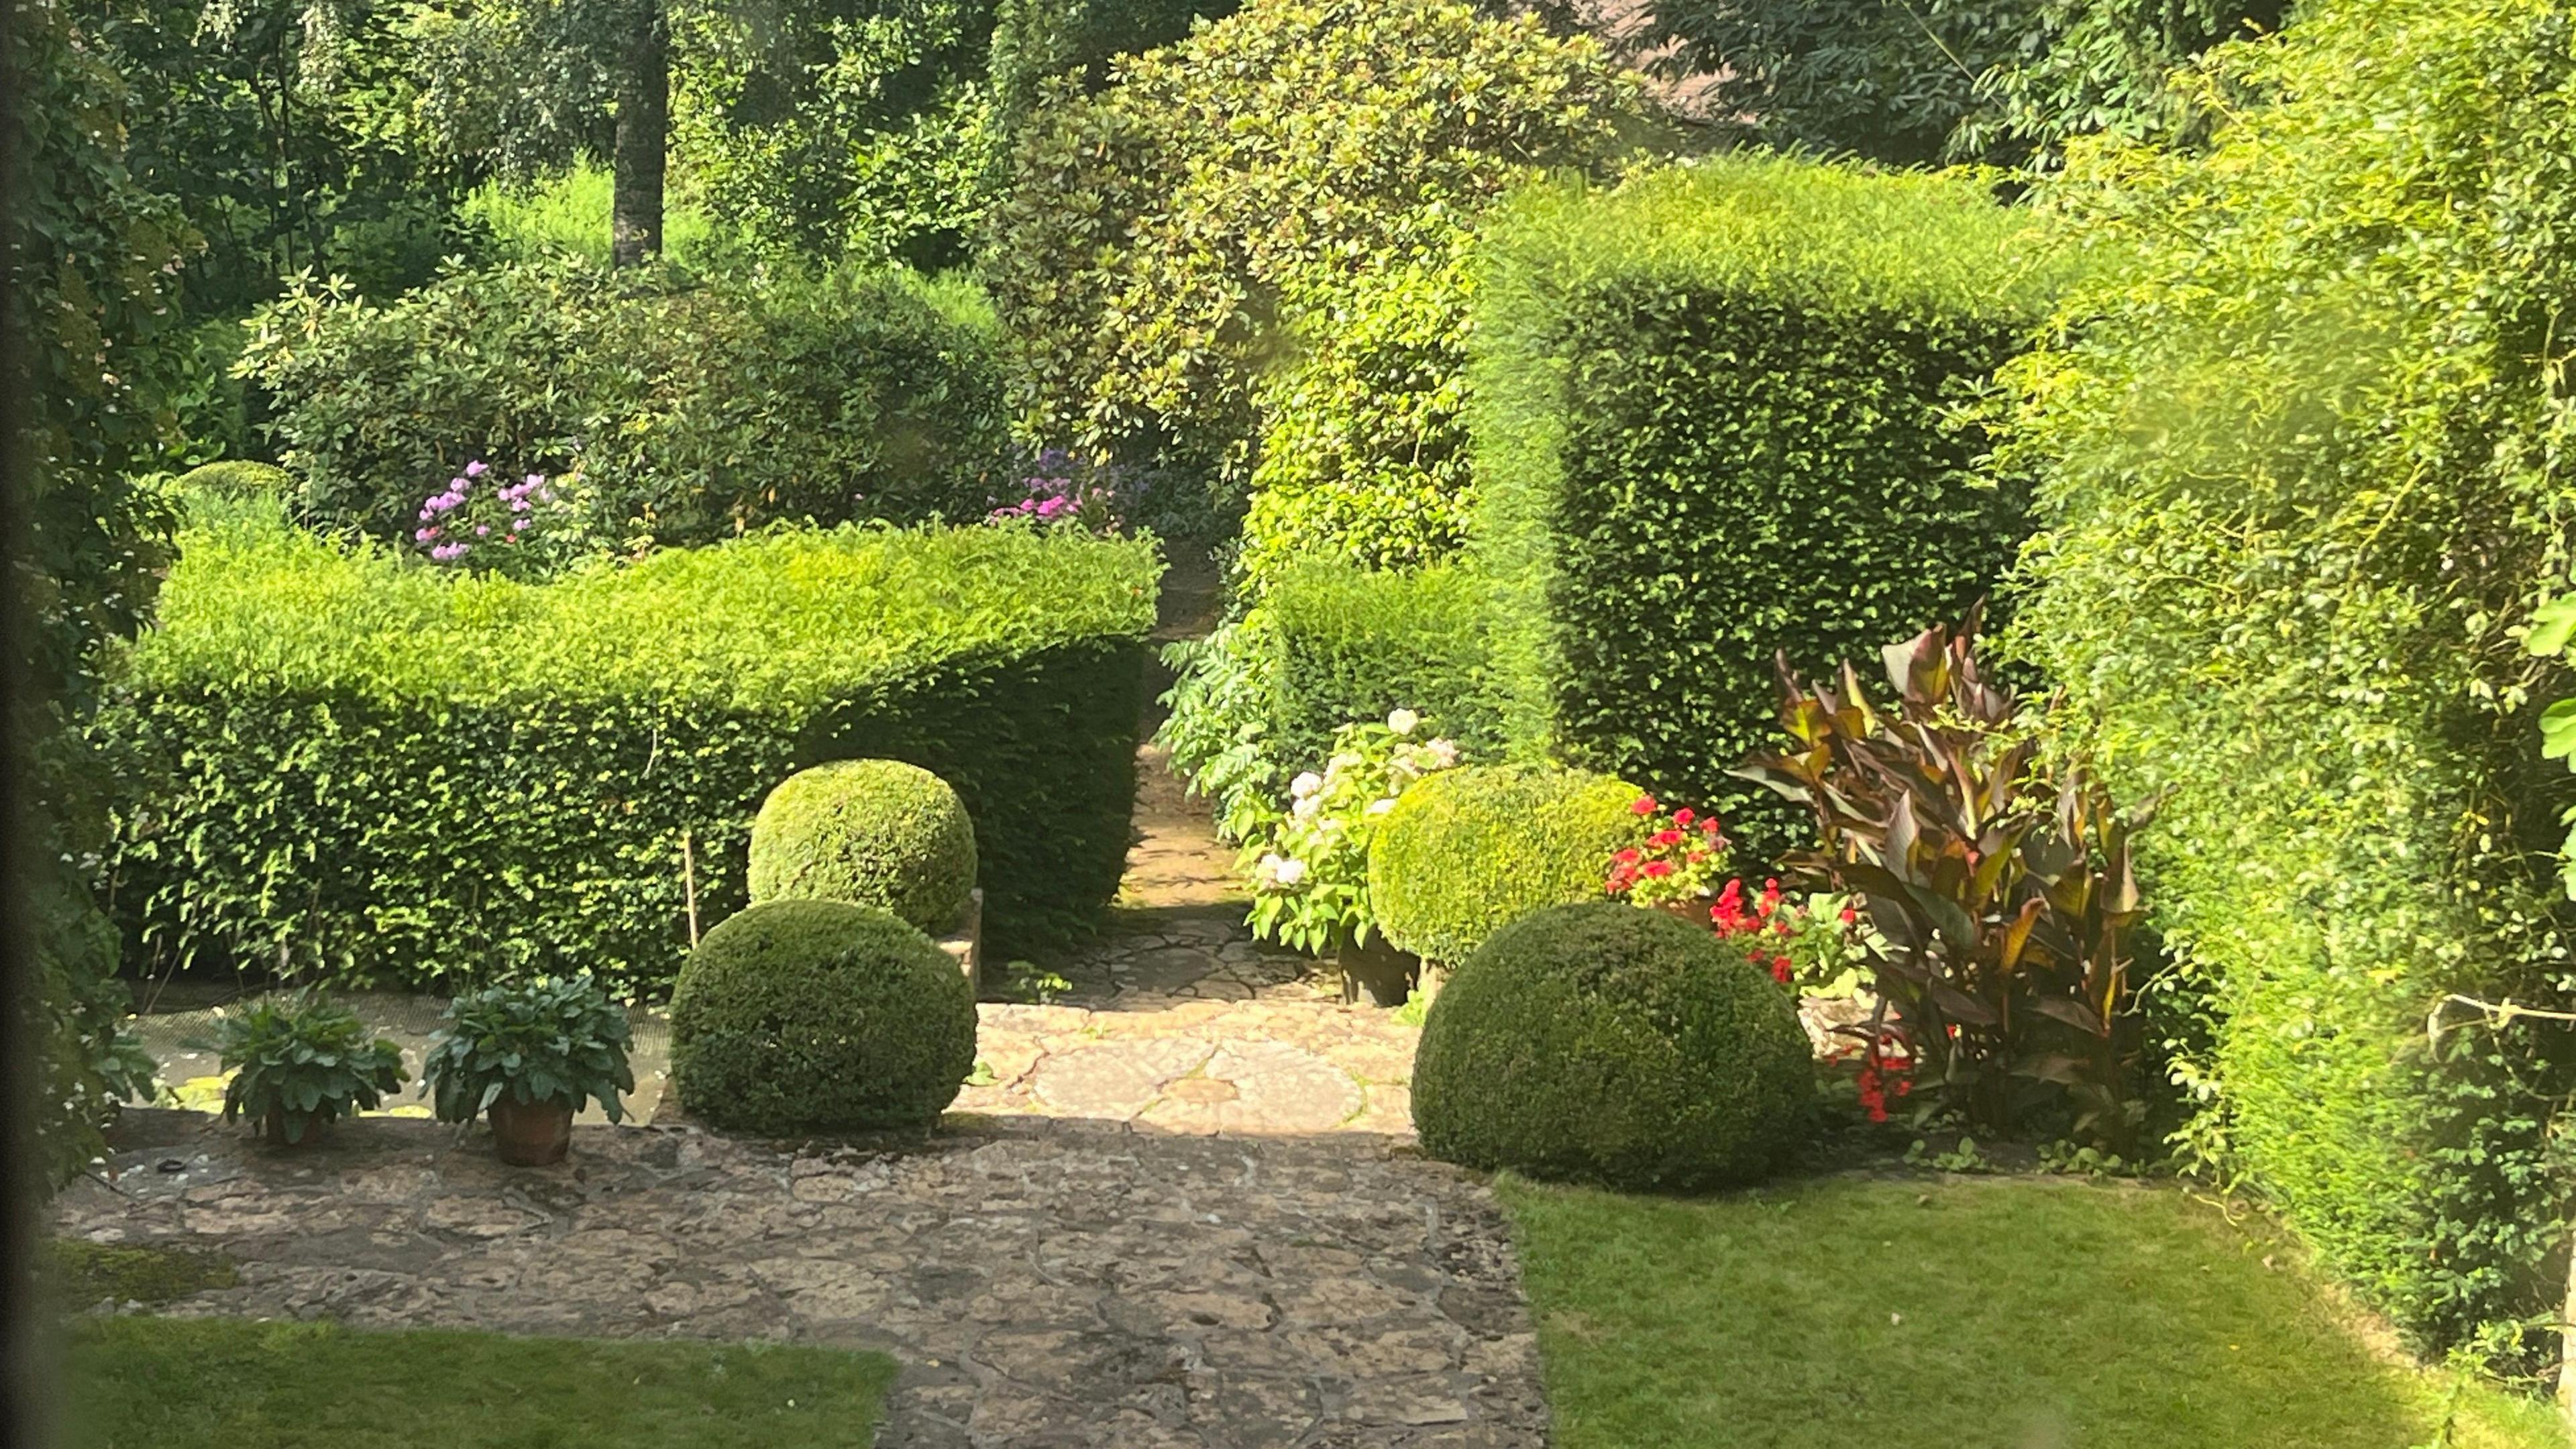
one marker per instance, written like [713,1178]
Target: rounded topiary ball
[873,832]
[819,1016]
[1605,1043]
[238,478]
[1466,851]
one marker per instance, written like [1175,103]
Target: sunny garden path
[1180,1208]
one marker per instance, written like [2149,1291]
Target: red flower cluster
[1674,863]
[1881,1069]
[1732,920]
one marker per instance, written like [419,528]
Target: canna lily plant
[1999,882]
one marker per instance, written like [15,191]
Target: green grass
[2017,1313]
[156,1383]
[569,212]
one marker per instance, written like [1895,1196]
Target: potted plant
[1309,863]
[528,1055]
[301,1063]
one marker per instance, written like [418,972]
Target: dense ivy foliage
[676,411]
[1995,80]
[1603,1043]
[358,766]
[1158,239]
[819,1016]
[2302,453]
[1713,423]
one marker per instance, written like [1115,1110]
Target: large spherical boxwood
[1465,852]
[1605,1043]
[873,832]
[819,1016]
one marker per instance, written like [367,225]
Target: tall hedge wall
[2303,469]
[1709,418]
[382,770]
[1352,644]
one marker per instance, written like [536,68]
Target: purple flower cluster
[449,535]
[1056,494]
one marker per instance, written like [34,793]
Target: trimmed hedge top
[1839,236]
[779,621]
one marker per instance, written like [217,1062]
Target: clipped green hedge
[1603,1043]
[374,768]
[819,1016]
[1709,417]
[238,480]
[874,832]
[2304,479]
[1466,852]
[1351,644]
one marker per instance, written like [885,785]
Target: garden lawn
[2014,1312]
[157,1383]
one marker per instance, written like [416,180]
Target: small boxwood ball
[819,1016]
[1605,1043]
[1465,851]
[871,832]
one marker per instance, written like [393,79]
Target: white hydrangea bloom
[1380,807]
[1403,721]
[1305,784]
[1291,872]
[1444,753]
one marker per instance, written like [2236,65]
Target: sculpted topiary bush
[236,478]
[1603,1043]
[819,1016]
[873,832]
[1468,851]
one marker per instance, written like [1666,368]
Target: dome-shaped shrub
[819,1016]
[238,478]
[1466,851]
[872,832]
[1605,1043]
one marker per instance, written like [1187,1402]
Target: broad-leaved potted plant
[301,1063]
[529,1054]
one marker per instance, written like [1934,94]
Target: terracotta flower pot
[273,1128]
[531,1134]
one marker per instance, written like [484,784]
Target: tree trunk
[643,138]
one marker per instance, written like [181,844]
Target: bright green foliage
[2553,626]
[1909,84]
[232,1381]
[874,832]
[1363,454]
[1156,237]
[238,481]
[1785,1317]
[2303,466]
[553,1039]
[859,128]
[302,1063]
[431,779]
[1712,424]
[2000,883]
[819,1016]
[1465,853]
[1259,699]
[1308,854]
[1035,41]
[1602,1043]
[682,413]
[570,211]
